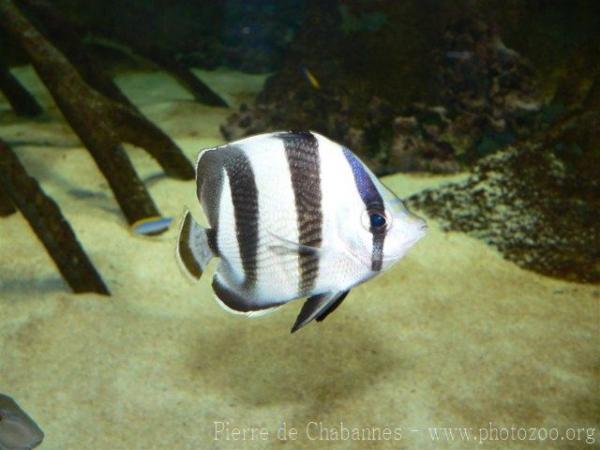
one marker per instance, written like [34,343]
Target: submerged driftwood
[48,223]
[67,35]
[201,92]
[21,101]
[130,125]
[128,122]
[101,124]
[6,206]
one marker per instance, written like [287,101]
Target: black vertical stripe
[377,252]
[373,203]
[244,195]
[209,185]
[211,239]
[302,153]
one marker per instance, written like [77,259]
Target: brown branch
[131,124]
[48,223]
[135,129]
[6,206]
[59,25]
[87,111]
[67,34]
[21,101]
[201,92]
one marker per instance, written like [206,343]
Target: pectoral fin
[288,245]
[318,307]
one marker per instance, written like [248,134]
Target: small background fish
[292,214]
[312,80]
[17,430]
[152,226]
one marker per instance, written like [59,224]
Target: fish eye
[377,220]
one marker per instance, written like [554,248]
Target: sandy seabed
[453,336]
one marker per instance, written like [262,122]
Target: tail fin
[193,251]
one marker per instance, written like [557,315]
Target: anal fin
[318,307]
[236,303]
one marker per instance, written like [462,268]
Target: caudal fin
[193,251]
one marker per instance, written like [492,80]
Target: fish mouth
[422,230]
[419,233]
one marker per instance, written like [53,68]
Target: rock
[486,91]
[420,144]
[529,205]
[489,89]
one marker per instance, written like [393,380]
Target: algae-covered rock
[529,205]
[538,202]
[467,93]
[423,86]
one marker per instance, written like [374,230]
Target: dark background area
[423,86]
[253,36]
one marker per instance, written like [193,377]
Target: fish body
[461,55]
[17,430]
[151,226]
[312,80]
[292,214]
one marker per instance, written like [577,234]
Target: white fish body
[292,214]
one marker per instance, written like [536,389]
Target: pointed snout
[418,224]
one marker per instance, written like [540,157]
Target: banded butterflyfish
[290,215]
